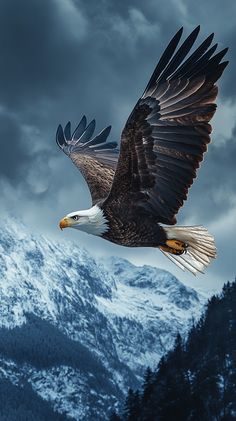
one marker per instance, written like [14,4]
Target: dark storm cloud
[214,190]
[12,157]
[37,51]
[63,58]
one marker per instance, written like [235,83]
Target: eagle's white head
[90,220]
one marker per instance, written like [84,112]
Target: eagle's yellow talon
[176,244]
[176,247]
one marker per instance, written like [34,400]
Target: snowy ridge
[126,316]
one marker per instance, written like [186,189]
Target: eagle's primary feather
[162,145]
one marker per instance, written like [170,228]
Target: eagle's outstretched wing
[168,131]
[95,158]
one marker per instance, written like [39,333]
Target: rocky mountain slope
[79,331]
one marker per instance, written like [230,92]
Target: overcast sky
[61,59]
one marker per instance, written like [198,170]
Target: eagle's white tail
[200,247]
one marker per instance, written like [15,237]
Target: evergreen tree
[114,417]
[147,386]
[132,406]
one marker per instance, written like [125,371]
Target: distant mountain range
[76,332]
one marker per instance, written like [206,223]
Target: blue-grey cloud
[63,58]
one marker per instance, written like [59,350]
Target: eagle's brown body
[133,229]
[143,185]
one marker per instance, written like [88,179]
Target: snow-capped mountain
[81,331]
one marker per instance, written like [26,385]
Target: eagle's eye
[75,217]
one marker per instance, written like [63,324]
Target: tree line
[196,380]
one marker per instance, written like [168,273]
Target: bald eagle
[137,191]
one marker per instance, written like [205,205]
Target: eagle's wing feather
[168,131]
[94,156]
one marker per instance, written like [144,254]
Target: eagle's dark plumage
[162,144]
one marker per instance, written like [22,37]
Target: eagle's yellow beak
[64,223]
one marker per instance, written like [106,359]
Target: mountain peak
[125,315]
